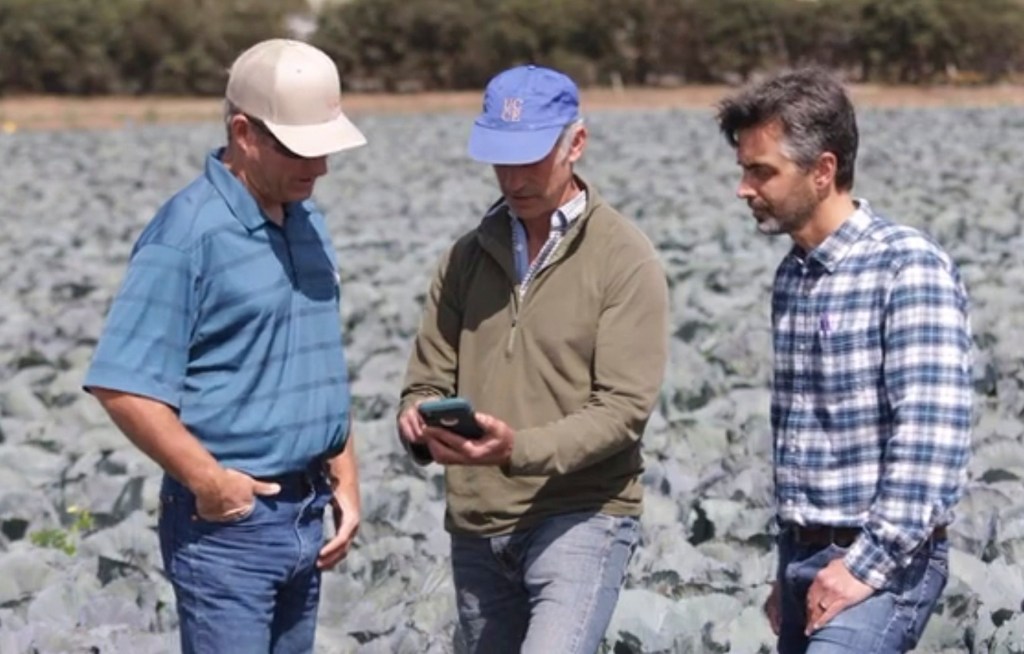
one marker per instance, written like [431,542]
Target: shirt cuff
[123,380]
[420,453]
[869,562]
[524,458]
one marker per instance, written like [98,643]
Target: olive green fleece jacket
[574,368]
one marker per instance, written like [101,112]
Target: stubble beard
[787,221]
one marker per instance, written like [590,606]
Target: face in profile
[780,193]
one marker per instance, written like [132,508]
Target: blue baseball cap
[525,110]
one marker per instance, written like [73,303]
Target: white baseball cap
[294,89]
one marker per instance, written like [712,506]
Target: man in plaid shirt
[871,402]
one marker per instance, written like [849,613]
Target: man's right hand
[773,608]
[230,495]
[411,425]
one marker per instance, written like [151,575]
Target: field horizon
[44,112]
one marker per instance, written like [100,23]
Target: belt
[297,482]
[823,535]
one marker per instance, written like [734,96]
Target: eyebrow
[754,164]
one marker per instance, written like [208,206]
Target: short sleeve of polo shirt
[144,346]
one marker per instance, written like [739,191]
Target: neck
[539,228]
[828,216]
[273,210]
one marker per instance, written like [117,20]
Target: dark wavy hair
[815,113]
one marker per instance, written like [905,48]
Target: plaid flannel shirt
[871,404]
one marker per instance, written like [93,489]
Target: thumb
[265,488]
[487,422]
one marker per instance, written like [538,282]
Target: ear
[579,143]
[825,170]
[242,132]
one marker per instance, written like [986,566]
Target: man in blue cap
[551,318]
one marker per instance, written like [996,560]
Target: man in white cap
[222,360]
[551,318]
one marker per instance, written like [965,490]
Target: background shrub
[185,46]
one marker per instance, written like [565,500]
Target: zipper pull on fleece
[511,336]
[513,306]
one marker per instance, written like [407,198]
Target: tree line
[184,46]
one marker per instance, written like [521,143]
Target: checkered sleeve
[927,386]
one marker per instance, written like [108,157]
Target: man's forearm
[154,428]
[343,470]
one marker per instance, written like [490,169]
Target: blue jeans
[250,585]
[888,622]
[550,588]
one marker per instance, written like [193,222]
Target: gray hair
[566,137]
[230,111]
[815,112]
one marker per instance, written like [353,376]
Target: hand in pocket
[231,496]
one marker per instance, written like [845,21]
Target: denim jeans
[549,588]
[251,585]
[888,622]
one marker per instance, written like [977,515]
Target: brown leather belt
[822,535]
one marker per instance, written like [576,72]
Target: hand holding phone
[454,414]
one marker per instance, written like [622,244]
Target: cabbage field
[79,561]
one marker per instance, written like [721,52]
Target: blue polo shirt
[234,322]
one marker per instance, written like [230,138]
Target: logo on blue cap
[512,112]
[525,110]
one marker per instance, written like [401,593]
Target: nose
[744,190]
[510,178]
[316,166]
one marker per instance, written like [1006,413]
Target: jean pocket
[801,570]
[233,519]
[939,562]
[624,529]
[172,521]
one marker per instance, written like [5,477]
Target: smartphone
[452,413]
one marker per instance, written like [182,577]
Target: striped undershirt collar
[561,220]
